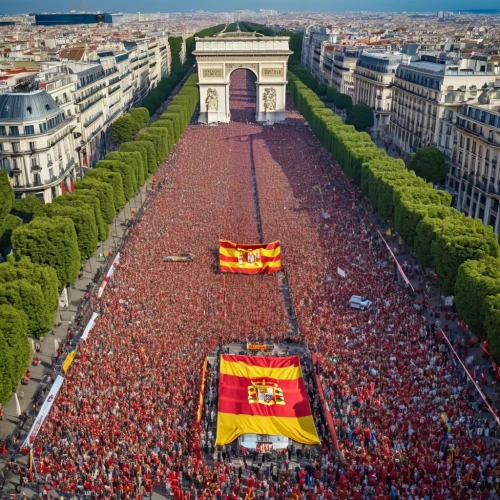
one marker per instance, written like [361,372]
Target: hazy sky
[229,5]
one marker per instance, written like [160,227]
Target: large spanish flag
[261,258]
[263,395]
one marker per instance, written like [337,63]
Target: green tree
[330,94]
[134,160]
[152,160]
[84,219]
[90,200]
[157,144]
[361,116]
[26,208]
[127,173]
[7,225]
[29,299]
[37,274]
[476,280]
[169,125]
[321,90]
[161,142]
[429,163]
[123,128]
[103,191]
[343,101]
[50,241]
[15,350]
[6,194]
[114,179]
[492,325]
[176,121]
[140,116]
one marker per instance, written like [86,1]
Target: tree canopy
[429,163]
[361,116]
[50,241]
[6,194]
[15,349]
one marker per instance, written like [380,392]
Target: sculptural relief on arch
[267,57]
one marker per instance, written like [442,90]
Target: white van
[358,302]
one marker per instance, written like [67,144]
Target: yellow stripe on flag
[240,369]
[251,266]
[230,426]
[67,362]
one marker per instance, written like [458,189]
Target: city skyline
[385,6]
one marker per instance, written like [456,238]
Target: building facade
[90,95]
[70,18]
[473,176]
[344,65]
[427,97]
[37,146]
[313,52]
[373,79]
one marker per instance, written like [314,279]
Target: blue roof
[25,106]
[427,66]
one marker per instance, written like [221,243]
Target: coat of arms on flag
[265,391]
[260,258]
[252,392]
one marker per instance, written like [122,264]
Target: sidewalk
[40,375]
[455,333]
[93,273]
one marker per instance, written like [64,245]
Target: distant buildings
[72,18]
[313,47]
[344,65]
[55,120]
[373,78]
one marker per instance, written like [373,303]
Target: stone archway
[217,57]
[242,95]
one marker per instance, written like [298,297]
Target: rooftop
[26,106]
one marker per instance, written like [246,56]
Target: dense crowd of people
[125,418]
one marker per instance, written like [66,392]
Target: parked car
[359,302]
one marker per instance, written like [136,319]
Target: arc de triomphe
[219,56]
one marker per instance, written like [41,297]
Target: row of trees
[464,253]
[49,248]
[125,127]
[358,115]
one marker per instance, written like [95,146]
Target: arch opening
[243,95]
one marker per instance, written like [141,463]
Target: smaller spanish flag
[67,362]
[261,258]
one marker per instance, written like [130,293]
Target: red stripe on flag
[233,398]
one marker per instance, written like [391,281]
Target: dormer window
[47,107]
[29,110]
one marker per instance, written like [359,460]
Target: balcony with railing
[113,80]
[125,74]
[80,86]
[85,107]
[92,120]
[93,91]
